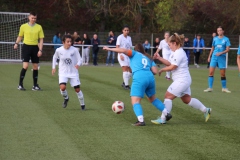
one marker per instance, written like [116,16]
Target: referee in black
[32,48]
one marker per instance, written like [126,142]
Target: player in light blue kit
[220,47]
[238,60]
[143,69]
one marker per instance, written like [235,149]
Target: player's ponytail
[179,39]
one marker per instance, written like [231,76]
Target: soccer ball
[118,107]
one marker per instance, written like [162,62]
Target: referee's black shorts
[30,52]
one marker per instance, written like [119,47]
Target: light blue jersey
[220,44]
[140,62]
[238,50]
[143,78]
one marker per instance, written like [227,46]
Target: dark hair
[86,35]
[65,37]
[179,39]
[125,26]
[220,27]
[57,33]
[138,47]
[33,13]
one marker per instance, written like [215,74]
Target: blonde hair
[179,39]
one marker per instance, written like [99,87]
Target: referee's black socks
[22,75]
[35,77]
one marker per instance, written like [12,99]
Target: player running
[124,41]
[178,65]
[70,60]
[143,69]
[165,51]
[220,46]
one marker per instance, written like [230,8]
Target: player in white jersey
[178,64]
[124,41]
[165,51]
[70,60]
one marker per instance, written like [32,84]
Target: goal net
[10,23]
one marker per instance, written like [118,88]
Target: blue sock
[158,104]
[137,108]
[224,82]
[210,81]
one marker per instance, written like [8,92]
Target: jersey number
[144,62]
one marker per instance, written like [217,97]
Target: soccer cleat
[225,90]
[127,87]
[159,121]
[168,117]
[65,102]
[169,79]
[139,124]
[83,107]
[208,90]
[123,85]
[207,114]
[21,88]
[36,88]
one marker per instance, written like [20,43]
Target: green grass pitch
[33,125]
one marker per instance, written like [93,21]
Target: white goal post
[10,23]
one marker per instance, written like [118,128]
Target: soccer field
[33,124]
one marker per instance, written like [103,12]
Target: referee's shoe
[36,88]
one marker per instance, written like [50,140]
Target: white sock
[125,78]
[168,106]
[140,118]
[129,75]
[80,97]
[195,103]
[64,94]
[168,74]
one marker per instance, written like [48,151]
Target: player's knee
[62,86]
[77,88]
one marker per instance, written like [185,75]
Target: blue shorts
[142,84]
[219,61]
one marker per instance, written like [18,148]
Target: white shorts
[74,81]
[125,62]
[180,87]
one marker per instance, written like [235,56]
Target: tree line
[142,16]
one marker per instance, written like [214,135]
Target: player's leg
[197,59]
[168,74]
[195,103]
[125,69]
[137,93]
[238,63]
[75,82]
[26,58]
[150,92]
[35,61]
[222,67]
[212,67]
[62,84]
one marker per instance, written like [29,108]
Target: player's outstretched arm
[119,50]
[164,61]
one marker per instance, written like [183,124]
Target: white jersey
[68,58]
[124,42]
[180,59]
[164,47]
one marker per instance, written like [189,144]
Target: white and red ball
[118,107]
